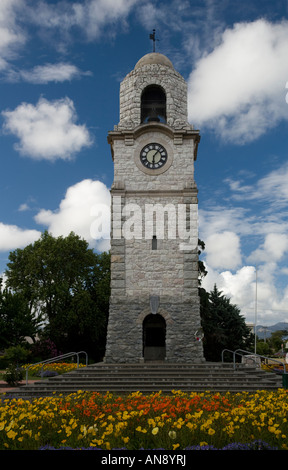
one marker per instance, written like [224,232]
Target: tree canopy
[61,288]
[16,321]
[223,326]
[66,286]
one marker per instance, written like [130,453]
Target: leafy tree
[263,348]
[276,340]
[223,326]
[16,320]
[202,272]
[66,285]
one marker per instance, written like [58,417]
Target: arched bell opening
[153,104]
[154,338]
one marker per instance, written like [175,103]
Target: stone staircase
[150,377]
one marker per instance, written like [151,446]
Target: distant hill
[267,330]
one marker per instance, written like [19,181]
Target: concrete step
[149,378]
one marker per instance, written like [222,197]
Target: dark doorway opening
[154,338]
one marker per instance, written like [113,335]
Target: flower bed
[179,421]
[57,367]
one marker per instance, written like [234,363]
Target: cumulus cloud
[221,218]
[239,286]
[238,89]
[263,233]
[223,250]
[13,237]
[275,246]
[48,130]
[84,210]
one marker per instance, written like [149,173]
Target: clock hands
[153,157]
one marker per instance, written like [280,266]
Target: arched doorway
[154,338]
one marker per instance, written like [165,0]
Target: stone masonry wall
[138,271]
[180,174]
[124,340]
[137,80]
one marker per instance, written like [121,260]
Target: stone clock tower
[154,304]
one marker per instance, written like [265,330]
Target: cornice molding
[176,134]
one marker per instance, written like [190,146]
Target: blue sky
[61,63]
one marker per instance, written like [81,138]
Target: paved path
[5,388]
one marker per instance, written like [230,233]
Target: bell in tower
[154,305]
[153,104]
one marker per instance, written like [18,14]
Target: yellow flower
[191,426]
[175,446]
[125,415]
[172,434]
[11,434]
[155,431]
[141,430]
[179,423]
[98,442]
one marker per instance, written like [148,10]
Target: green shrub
[16,355]
[13,375]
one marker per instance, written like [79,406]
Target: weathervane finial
[152,36]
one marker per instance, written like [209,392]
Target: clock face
[153,156]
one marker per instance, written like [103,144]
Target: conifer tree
[223,325]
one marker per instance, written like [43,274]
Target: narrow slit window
[154,242]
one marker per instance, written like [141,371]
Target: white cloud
[90,16]
[268,307]
[273,249]
[238,89]
[11,35]
[80,212]
[47,131]
[59,72]
[223,250]
[273,188]
[23,207]
[239,286]
[263,234]
[13,237]
[60,19]
[221,218]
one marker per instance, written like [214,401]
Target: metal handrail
[230,351]
[237,351]
[54,359]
